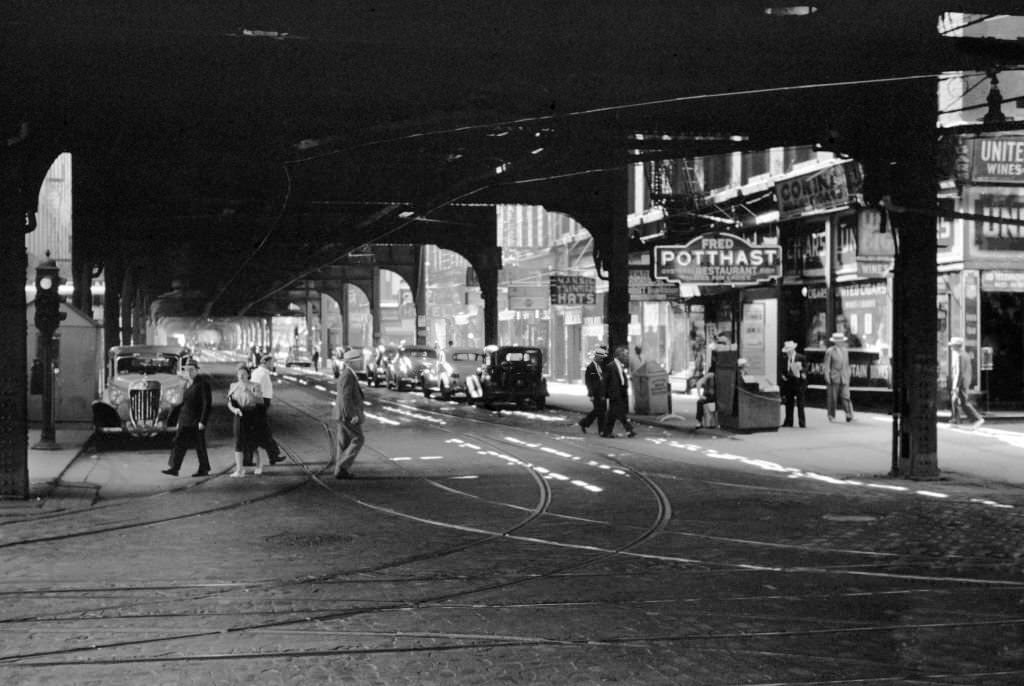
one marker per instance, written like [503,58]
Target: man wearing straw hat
[594,378]
[960,376]
[837,377]
[793,383]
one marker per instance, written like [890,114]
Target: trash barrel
[650,389]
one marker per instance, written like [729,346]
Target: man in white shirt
[261,376]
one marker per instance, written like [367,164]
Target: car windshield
[420,354]
[528,356]
[467,357]
[138,364]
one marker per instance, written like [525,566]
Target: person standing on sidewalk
[616,385]
[793,383]
[349,416]
[192,418]
[594,378]
[961,372]
[265,437]
[837,377]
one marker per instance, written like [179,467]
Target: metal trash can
[651,389]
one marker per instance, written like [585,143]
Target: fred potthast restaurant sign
[717,258]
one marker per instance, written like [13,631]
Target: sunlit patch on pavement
[537,416]
[415,415]
[539,469]
[796,473]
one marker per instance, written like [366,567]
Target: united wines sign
[717,258]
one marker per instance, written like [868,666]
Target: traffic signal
[48,300]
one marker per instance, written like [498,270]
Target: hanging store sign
[997,160]
[643,288]
[567,289]
[717,258]
[822,190]
[527,297]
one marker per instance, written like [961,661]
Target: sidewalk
[990,456]
[45,468]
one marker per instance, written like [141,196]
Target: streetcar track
[657,527]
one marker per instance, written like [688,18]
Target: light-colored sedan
[450,374]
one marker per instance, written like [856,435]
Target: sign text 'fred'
[717,258]
[572,290]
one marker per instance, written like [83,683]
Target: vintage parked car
[143,391]
[377,365]
[449,374]
[510,374]
[406,370]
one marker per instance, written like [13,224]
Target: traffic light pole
[48,318]
[48,435]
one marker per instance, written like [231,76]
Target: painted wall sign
[994,235]
[567,289]
[717,258]
[822,190]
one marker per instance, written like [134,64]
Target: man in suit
[837,377]
[594,378]
[348,413]
[192,418]
[616,384]
[793,383]
[961,373]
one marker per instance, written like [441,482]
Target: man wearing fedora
[793,383]
[192,419]
[837,377]
[594,378]
[960,377]
[348,415]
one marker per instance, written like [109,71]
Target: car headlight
[172,395]
[115,395]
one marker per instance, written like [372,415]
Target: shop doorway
[1002,317]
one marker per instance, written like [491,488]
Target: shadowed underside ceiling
[275,134]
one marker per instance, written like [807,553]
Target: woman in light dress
[245,402]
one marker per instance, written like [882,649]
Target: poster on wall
[752,343]
[862,312]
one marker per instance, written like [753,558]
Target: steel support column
[616,259]
[14,378]
[914,184]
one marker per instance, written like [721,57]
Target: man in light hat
[837,377]
[348,415]
[793,383]
[196,404]
[594,378]
[961,371]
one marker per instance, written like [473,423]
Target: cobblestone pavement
[512,550]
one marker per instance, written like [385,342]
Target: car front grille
[145,403]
